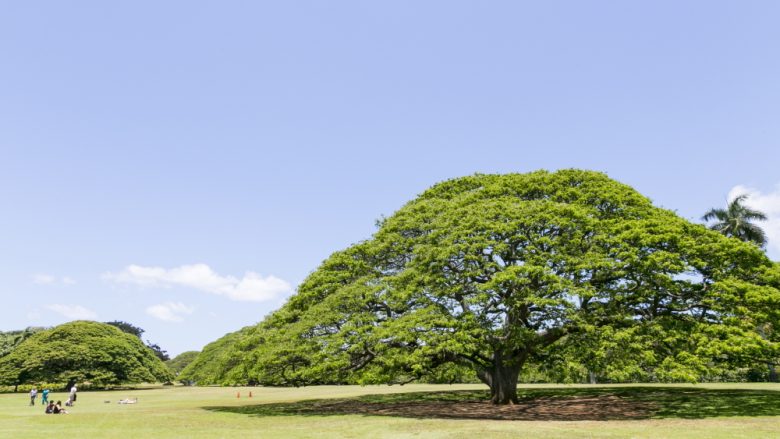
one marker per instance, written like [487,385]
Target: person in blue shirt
[45,396]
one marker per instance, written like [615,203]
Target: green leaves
[567,271]
[736,221]
[82,351]
[9,340]
[177,364]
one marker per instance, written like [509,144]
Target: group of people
[51,406]
[55,409]
[34,394]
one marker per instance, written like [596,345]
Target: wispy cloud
[170,311]
[769,203]
[48,279]
[68,281]
[44,279]
[75,312]
[252,287]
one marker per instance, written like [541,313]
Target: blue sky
[183,165]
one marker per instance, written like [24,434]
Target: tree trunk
[592,377]
[501,377]
[772,373]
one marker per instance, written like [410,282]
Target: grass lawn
[430,411]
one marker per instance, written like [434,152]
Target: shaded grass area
[549,404]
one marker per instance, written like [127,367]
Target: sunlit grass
[737,410]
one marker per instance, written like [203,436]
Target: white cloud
[75,312]
[44,279]
[252,287]
[170,311]
[768,203]
[47,279]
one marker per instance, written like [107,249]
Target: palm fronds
[736,221]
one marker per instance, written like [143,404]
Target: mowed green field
[684,411]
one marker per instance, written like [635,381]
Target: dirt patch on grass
[597,408]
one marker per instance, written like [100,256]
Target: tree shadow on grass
[555,404]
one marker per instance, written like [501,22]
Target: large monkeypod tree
[494,272]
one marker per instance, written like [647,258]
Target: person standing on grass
[33,394]
[73,394]
[44,396]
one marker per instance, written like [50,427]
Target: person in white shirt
[72,394]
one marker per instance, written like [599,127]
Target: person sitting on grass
[50,408]
[58,409]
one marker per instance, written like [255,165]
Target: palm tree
[735,221]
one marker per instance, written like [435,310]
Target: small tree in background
[178,363]
[82,351]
